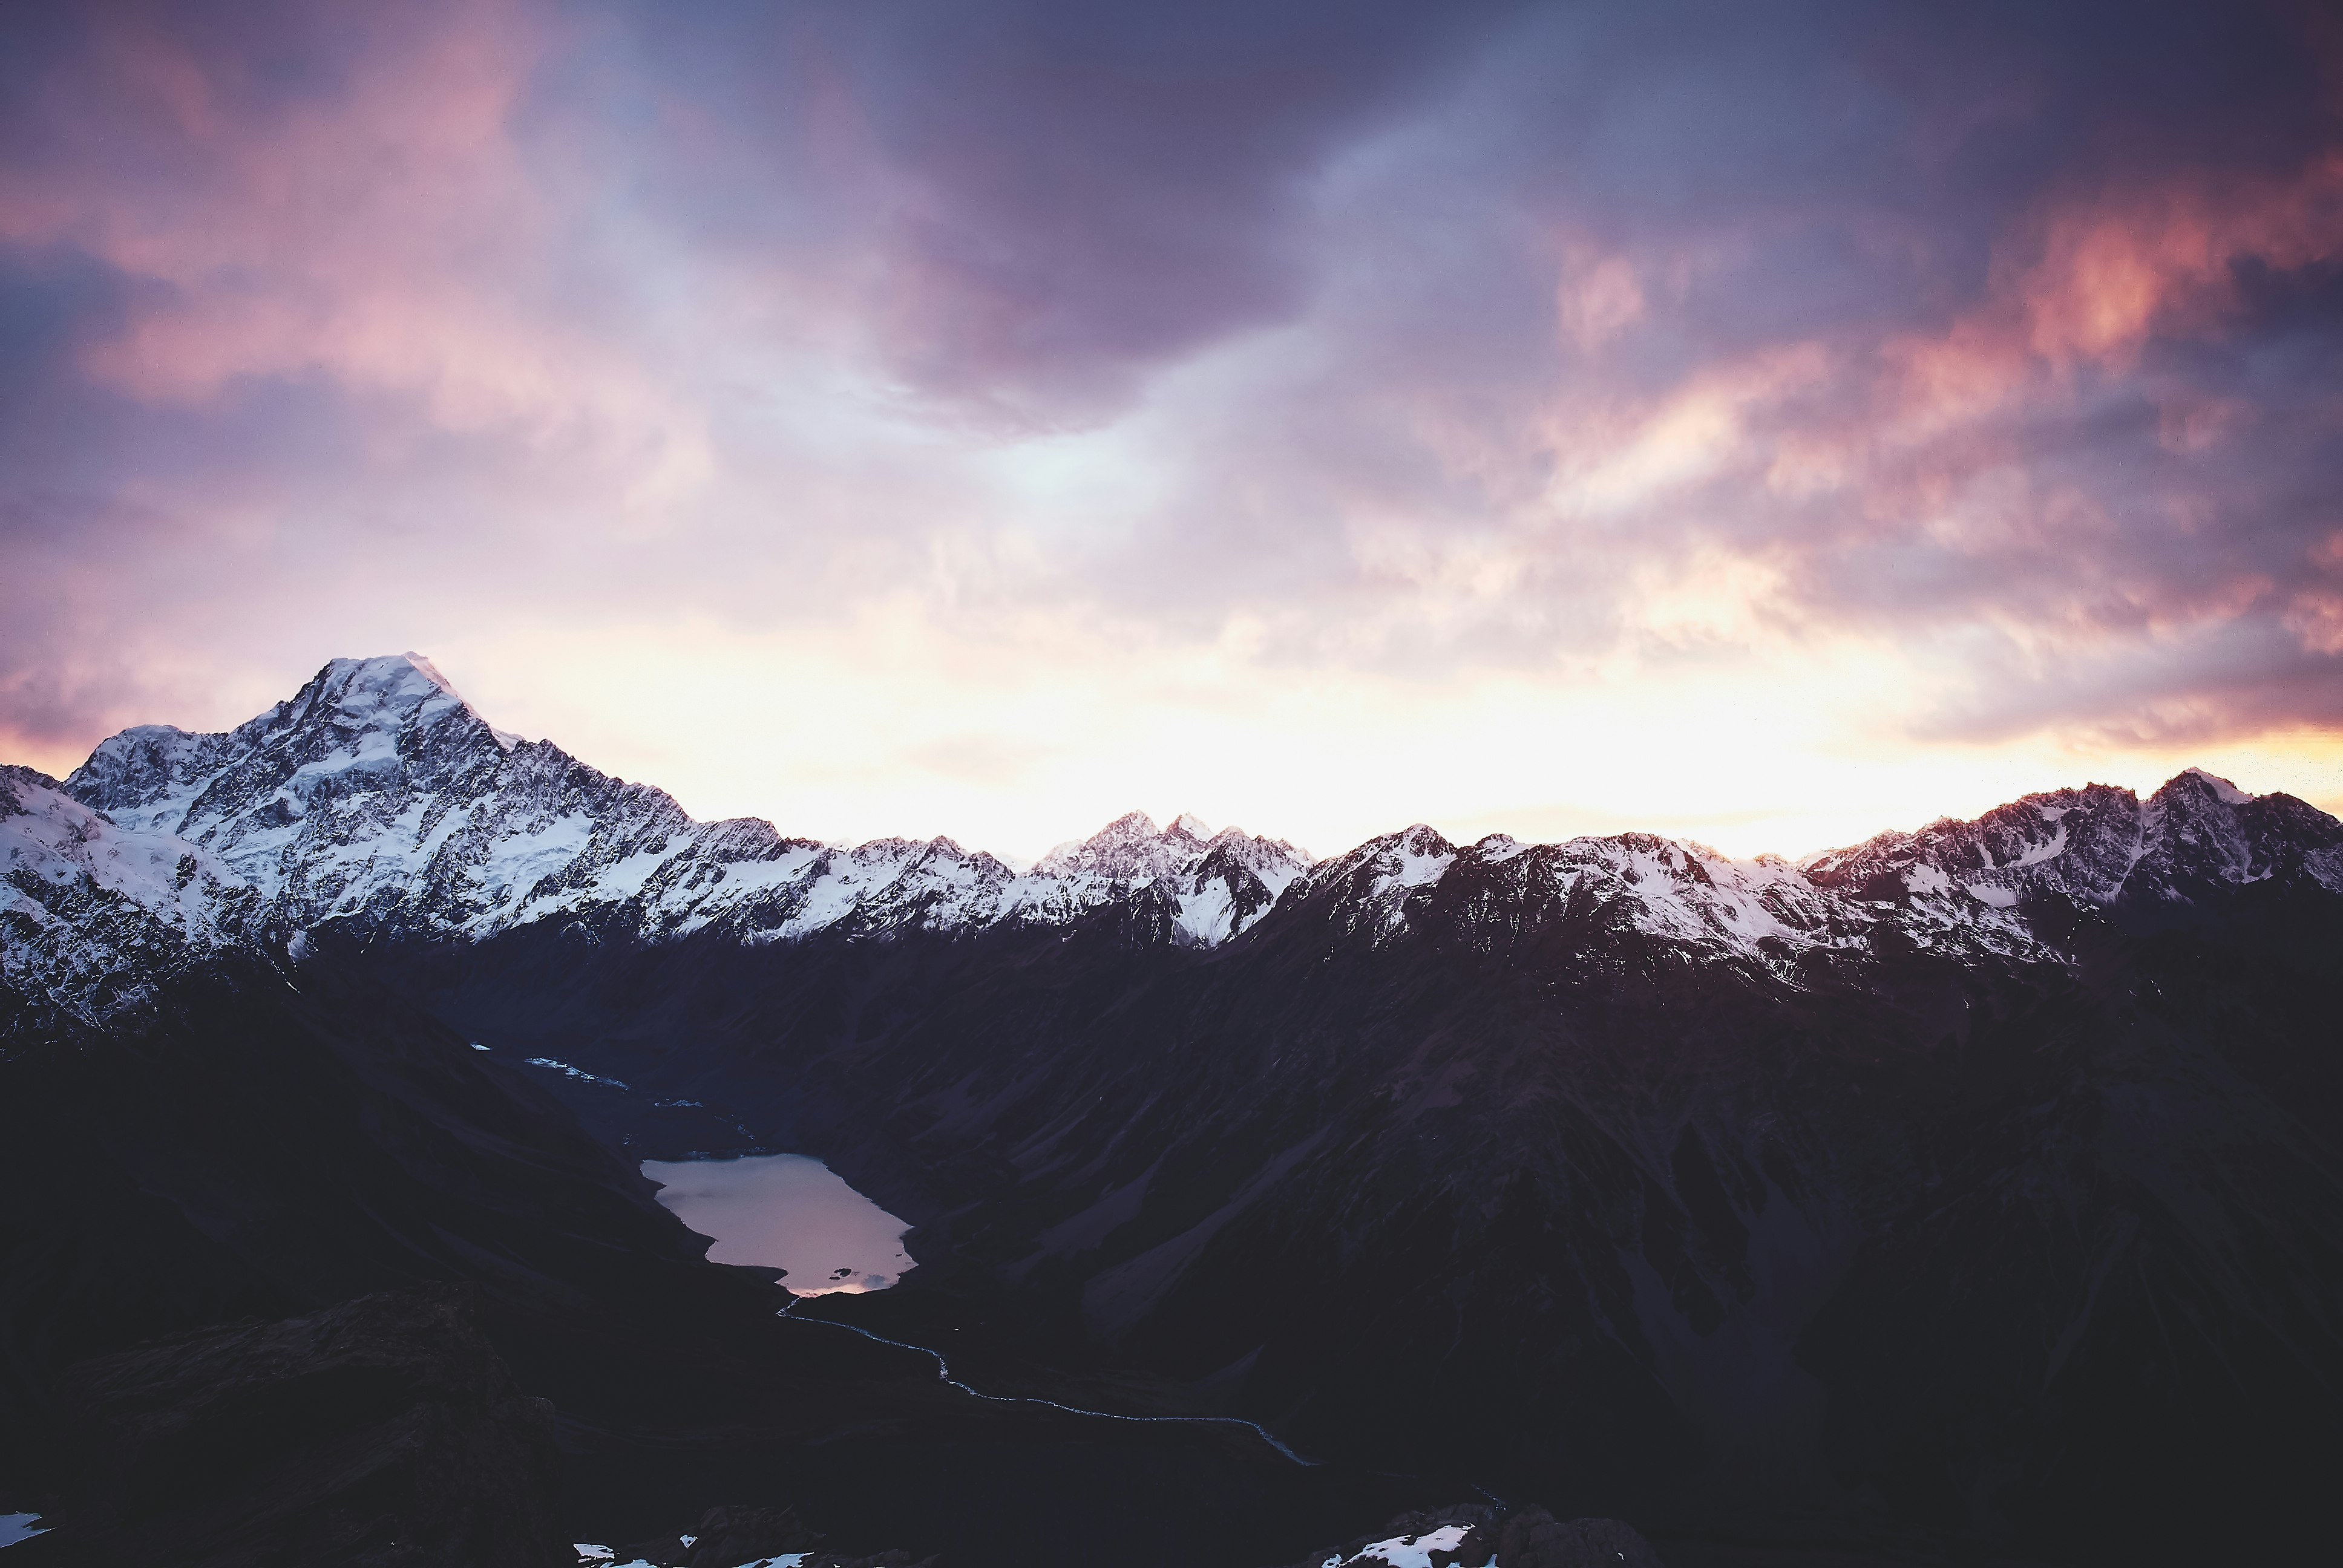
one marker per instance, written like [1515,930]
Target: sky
[1764,424]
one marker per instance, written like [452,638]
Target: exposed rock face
[93,914]
[2194,841]
[383,1432]
[728,1537]
[733,1537]
[1533,1538]
[1474,1536]
[1470,1550]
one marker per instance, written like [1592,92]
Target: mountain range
[1972,1190]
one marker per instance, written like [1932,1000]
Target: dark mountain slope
[255,1144]
[257,1150]
[194,1127]
[2005,1246]
[383,1432]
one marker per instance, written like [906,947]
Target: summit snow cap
[393,683]
[2229,794]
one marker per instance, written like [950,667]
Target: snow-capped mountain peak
[358,722]
[2229,794]
[378,795]
[2099,846]
[1129,848]
[91,911]
[404,683]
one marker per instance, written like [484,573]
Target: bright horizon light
[1541,420]
[1520,760]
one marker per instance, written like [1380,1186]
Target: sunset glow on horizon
[983,420]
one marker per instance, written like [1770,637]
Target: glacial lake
[786,1211]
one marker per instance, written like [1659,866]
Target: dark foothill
[382,1431]
[728,1537]
[1533,1538]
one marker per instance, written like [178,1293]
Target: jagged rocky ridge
[379,797]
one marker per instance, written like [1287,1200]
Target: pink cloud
[393,236]
[2113,272]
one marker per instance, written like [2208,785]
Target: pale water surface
[786,1211]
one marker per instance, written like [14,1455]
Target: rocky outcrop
[2190,845]
[1472,1535]
[728,1537]
[383,1432]
[733,1537]
[1533,1538]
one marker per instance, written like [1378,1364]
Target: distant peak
[388,671]
[396,683]
[2223,790]
[1423,840]
[1129,848]
[1188,822]
[429,671]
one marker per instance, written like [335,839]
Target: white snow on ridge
[16,1527]
[90,911]
[2096,845]
[1405,1550]
[2229,794]
[1420,857]
[52,838]
[378,794]
[566,1069]
[1701,897]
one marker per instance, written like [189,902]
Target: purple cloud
[1434,340]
